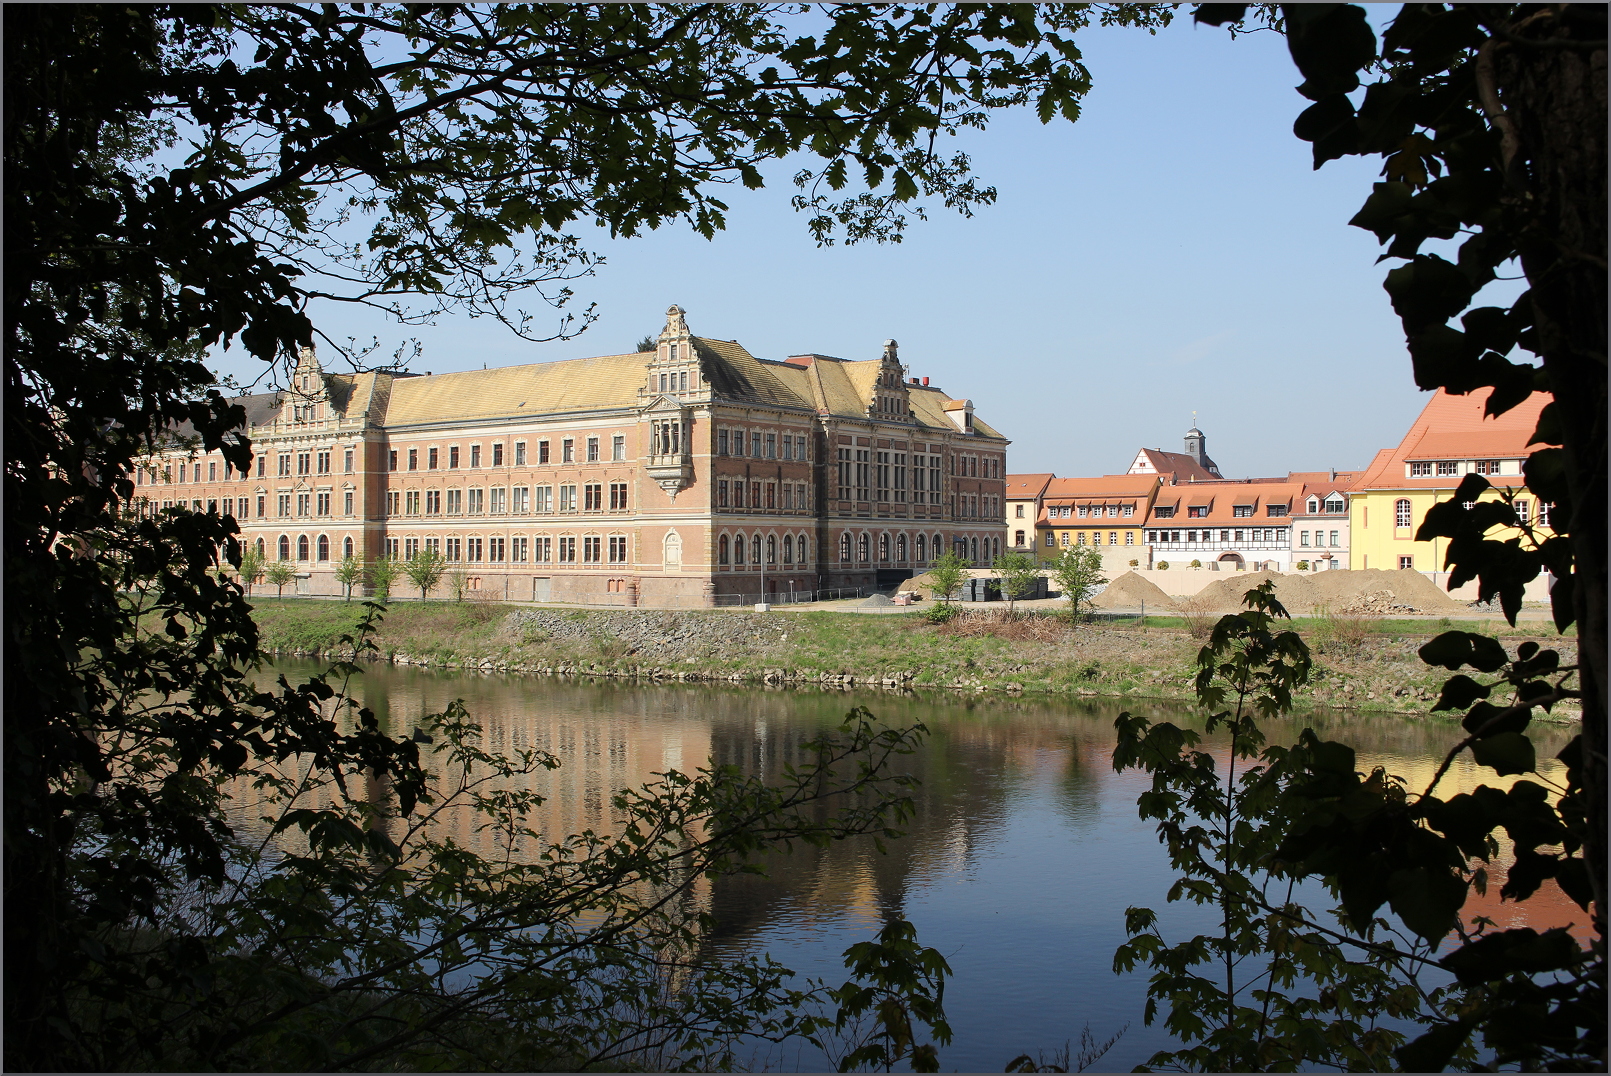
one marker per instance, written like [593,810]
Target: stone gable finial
[307,359]
[675,325]
[890,349]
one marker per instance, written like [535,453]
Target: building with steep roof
[1106,514]
[688,475]
[1452,437]
[1233,524]
[1320,518]
[1192,465]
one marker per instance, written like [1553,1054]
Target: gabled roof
[1112,487]
[1222,498]
[1456,428]
[1182,466]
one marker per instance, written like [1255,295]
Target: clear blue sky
[1172,251]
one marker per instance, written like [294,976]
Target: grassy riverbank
[1366,669]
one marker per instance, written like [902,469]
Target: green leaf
[1452,649]
[1459,692]
[1433,1051]
[1506,952]
[1505,753]
[1427,899]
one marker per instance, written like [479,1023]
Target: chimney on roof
[1334,474]
[925,381]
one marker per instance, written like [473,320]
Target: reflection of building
[1451,438]
[674,476]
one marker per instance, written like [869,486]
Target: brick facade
[624,479]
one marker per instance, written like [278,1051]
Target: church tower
[1197,446]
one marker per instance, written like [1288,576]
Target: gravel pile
[1131,591]
[1371,591]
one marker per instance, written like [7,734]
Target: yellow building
[1449,440]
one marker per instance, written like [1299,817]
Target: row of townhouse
[1175,508]
[677,476]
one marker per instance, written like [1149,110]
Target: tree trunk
[1557,97]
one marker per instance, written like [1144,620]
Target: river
[1022,857]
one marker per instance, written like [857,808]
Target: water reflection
[1019,862]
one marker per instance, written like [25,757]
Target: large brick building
[671,477]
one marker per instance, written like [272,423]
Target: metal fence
[791,597]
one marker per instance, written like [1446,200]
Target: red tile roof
[1456,428]
[1221,498]
[1182,466]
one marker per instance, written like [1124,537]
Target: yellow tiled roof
[538,388]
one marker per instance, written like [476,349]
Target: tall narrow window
[618,447]
[1401,513]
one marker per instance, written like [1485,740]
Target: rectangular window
[1406,564]
[1275,511]
[542,550]
[262,505]
[592,450]
[430,459]
[618,549]
[495,549]
[304,464]
[455,549]
[475,501]
[567,549]
[567,451]
[413,459]
[433,502]
[455,502]
[472,549]
[324,462]
[882,475]
[212,470]
[593,496]
[618,447]
[542,451]
[519,550]
[864,476]
[721,494]
[567,498]
[521,502]
[1420,468]
[1333,539]
[1447,467]
[590,549]
[721,442]
[543,500]
[787,449]
[394,503]
[453,457]
[496,498]
[771,446]
[844,474]
[1242,511]
[285,467]
[497,454]
[346,461]
[1522,512]
[304,502]
[411,547]
[411,502]
[755,443]
[520,453]
[618,496]
[324,504]
[1303,537]
[346,503]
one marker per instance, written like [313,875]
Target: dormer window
[1313,507]
[1335,506]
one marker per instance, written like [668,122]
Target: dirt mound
[1131,591]
[1371,591]
[878,598]
[1358,591]
[1225,595]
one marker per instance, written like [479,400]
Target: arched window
[738,549]
[804,550]
[922,549]
[976,550]
[285,548]
[1018,538]
[938,547]
[1401,512]
[788,549]
[844,548]
[866,549]
[883,548]
[771,549]
[261,552]
[721,550]
[324,547]
[755,549]
[900,549]
[302,547]
[346,547]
